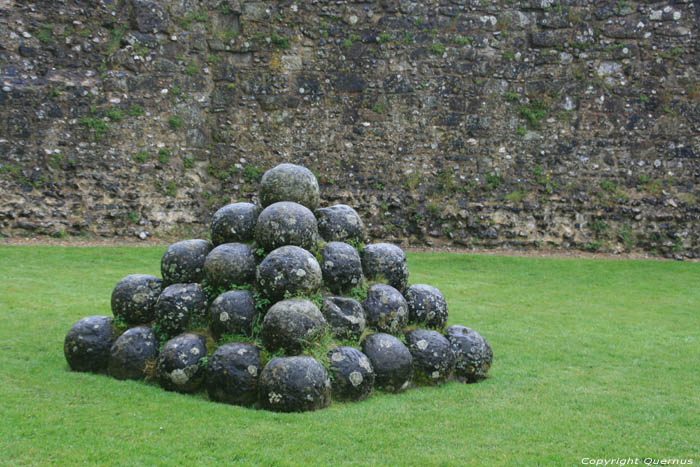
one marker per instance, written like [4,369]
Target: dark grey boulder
[352,374]
[228,264]
[341,267]
[183,262]
[180,367]
[132,353]
[290,323]
[87,344]
[177,305]
[385,308]
[234,223]
[288,269]
[385,262]
[339,223]
[433,358]
[473,353]
[232,312]
[289,182]
[232,374]
[294,384]
[134,298]
[426,304]
[345,316]
[391,360]
[286,223]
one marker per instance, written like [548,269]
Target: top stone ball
[289,182]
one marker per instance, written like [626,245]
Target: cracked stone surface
[345,316]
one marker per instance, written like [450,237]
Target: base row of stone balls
[234,373]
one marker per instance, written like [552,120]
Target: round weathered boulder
[339,223]
[132,353]
[180,366]
[472,352]
[232,312]
[289,182]
[433,358]
[294,384]
[286,223]
[289,269]
[178,304]
[385,308]
[183,262]
[353,375]
[134,298]
[232,374]
[426,304]
[234,223]
[391,360]
[341,267]
[345,316]
[87,344]
[228,264]
[289,323]
[386,262]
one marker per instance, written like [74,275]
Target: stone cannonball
[87,344]
[426,304]
[345,316]
[177,304]
[353,375]
[289,182]
[134,298]
[232,312]
[433,358]
[341,267]
[228,264]
[232,374]
[286,223]
[385,261]
[289,323]
[234,223]
[183,262]
[339,223]
[385,308]
[179,365]
[288,269]
[294,384]
[473,353]
[391,360]
[132,352]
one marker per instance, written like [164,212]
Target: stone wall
[539,123]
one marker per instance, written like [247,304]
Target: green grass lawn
[592,358]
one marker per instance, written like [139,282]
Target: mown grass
[592,359]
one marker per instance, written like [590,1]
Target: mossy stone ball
[87,343]
[232,374]
[427,305]
[294,384]
[341,267]
[228,264]
[433,358]
[289,182]
[289,323]
[387,263]
[340,223]
[385,308]
[352,374]
[286,223]
[391,360]
[179,365]
[234,223]
[132,353]
[177,305]
[288,269]
[134,298]
[183,262]
[473,353]
[232,312]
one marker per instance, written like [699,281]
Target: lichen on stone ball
[183,262]
[234,223]
[289,182]
[286,223]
